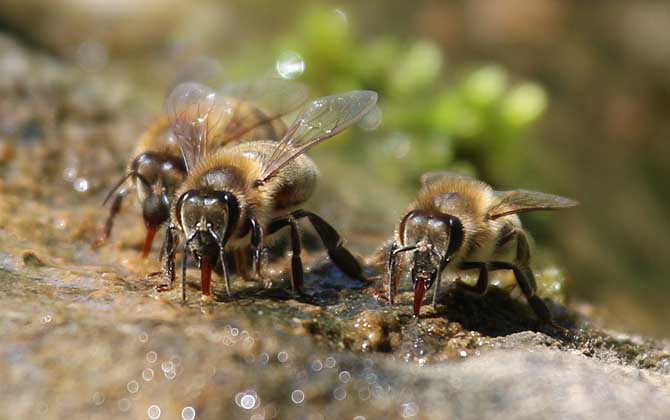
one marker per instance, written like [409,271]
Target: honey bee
[458,223]
[243,111]
[243,195]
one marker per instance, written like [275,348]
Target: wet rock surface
[84,335]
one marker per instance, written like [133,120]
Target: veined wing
[195,113]
[260,102]
[320,120]
[519,201]
[435,176]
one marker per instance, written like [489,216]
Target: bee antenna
[116,187]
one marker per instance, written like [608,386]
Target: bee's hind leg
[339,255]
[482,280]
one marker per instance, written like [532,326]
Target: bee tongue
[151,232]
[419,291]
[205,275]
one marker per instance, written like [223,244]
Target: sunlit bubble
[234,332]
[463,353]
[248,402]
[70,174]
[409,409]
[152,356]
[340,393]
[330,362]
[98,398]
[298,396]
[170,374]
[188,413]
[364,393]
[148,374]
[92,55]
[371,378]
[133,386]
[167,366]
[154,412]
[264,358]
[124,404]
[257,416]
[42,408]
[317,365]
[372,120]
[282,356]
[143,337]
[345,376]
[290,65]
[359,418]
[341,15]
[81,185]
[47,319]
[398,145]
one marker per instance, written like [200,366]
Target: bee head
[208,219]
[156,176]
[435,238]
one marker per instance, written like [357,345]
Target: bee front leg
[168,273]
[109,223]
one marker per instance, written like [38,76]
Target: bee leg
[390,283]
[109,223]
[171,243]
[339,255]
[257,247]
[482,281]
[296,272]
[526,281]
[438,280]
[240,256]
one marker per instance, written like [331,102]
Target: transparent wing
[194,111]
[259,102]
[321,119]
[519,201]
[432,177]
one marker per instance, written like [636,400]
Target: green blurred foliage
[434,116]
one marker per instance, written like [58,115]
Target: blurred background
[566,97]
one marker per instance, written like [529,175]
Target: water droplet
[167,366]
[282,356]
[290,65]
[152,356]
[124,404]
[188,413]
[317,365]
[98,398]
[148,374]
[81,185]
[47,319]
[463,353]
[154,412]
[330,362]
[133,387]
[247,402]
[372,120]
[297,396]
[170,374]
[143,337]
[340,393]
[409,409]
[345,376]
[70,174]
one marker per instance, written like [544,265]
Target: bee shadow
[497,313]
